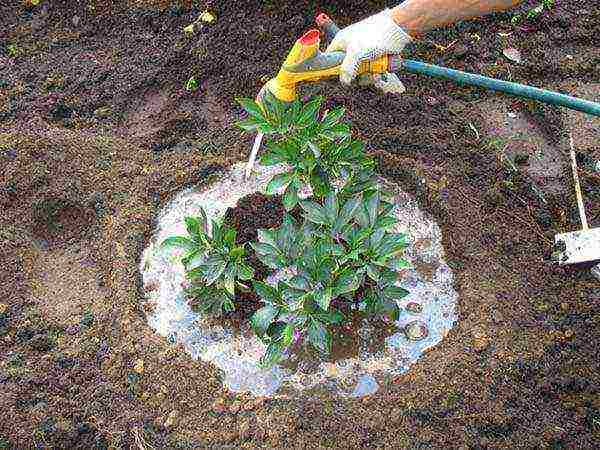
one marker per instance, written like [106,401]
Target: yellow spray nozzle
[305,62]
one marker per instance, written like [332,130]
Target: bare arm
[417,17]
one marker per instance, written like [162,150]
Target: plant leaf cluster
[215,264]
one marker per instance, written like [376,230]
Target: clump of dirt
[252,212]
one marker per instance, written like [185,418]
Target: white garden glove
[368,39]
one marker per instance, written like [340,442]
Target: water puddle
[364,356]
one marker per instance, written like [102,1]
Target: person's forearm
[417,17]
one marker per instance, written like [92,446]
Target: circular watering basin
[358,366]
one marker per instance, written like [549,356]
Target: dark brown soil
[253,212]
[94,118]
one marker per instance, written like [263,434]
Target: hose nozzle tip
[322,19]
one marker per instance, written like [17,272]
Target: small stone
[414,308]
[171,419]
[139,366]
[75,20]
[103,112]
[41,343]
[512,54]
[416,330]
[564,306]
[219,406]
[480,342]
[569,334]
[235,407]
[3,308]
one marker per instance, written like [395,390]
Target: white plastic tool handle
[584,224]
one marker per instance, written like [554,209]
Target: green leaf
[266,292]
[373,207]
[299,282]
[385,222]
[237,252]
[395,292]
[314,212]
[227,305]
[323,298]
[290,197]
[273,261]
[319,184]
[347,212]
[244,271]
[347,282]
[272,355]
[309,110]
[229,284]
[278,182]
[373,272]
[331,206]
[263,318]
[263,249]
[229,237]
[249,125]
[315,149]
[251,107]
[212,273]
[333,317]
[193,226]
[287,337]
[392,310]
[332,116]
[268,236]
[179,242]
[319,336]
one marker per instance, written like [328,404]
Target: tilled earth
[97,132]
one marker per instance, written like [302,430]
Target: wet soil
[252,212]
[95,121]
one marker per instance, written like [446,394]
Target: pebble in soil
[364,356]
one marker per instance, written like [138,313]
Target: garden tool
[306,63]
[583,245]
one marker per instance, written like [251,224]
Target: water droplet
[416,330]
[414,308]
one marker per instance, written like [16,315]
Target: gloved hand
[368,39]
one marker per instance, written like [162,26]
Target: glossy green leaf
[287,337]
[319,337]
[263,318]
[314,212]
[250,125]
[333,116]
[178,242]
[267,236]
[290,197]
[333,317]
[266,292]
[193,226]
[323,297]
[395,292]
[299,282]
[245,272]
[278,182]
[372,272]
[309,111]
[272,355]
[347,282]
[251,107]
[212,273]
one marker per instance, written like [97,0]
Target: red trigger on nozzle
[310,37]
